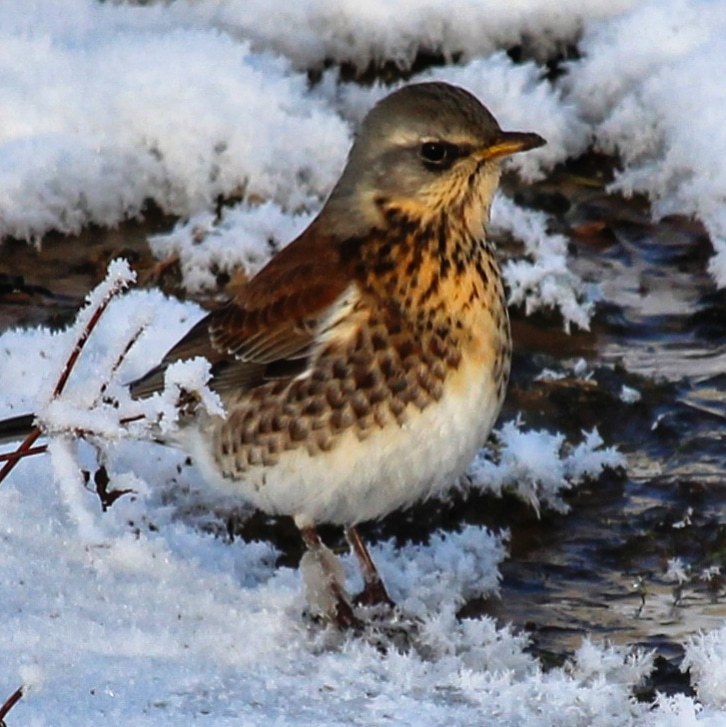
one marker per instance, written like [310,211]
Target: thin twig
[27,453]
[131,419]
[26,448]
[82,339]
[122,356]
[9,703]
[19,453]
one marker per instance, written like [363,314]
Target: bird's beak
[510,142]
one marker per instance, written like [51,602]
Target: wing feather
[272,319]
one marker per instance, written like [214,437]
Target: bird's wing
[268,328]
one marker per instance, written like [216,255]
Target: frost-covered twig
[121,358]
[100,409]
[118,278]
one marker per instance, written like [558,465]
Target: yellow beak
[510,142]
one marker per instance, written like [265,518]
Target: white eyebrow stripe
[402,138]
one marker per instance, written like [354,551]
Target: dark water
[660,329]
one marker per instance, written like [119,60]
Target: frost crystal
[537,465]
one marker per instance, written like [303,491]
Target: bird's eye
[438,154]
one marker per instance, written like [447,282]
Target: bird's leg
[341,611]
[374,593]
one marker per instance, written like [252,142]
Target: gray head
[425,147]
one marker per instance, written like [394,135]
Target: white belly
[392,468]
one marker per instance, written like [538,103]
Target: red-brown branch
[117,364]
[130,420]
[82,339]
[9,703]
[27,453]
[22,451]
[26,448]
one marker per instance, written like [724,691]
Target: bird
[366,363]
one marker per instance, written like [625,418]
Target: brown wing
[270,323]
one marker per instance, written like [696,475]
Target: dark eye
[438,154]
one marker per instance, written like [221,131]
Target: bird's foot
[324,580]
[344,617]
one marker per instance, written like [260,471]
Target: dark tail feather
[149,383]
[16,428]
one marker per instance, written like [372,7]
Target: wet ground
[660,329]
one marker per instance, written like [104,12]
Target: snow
[243,235]
[629,395]
[100,115]
[706,658]
[666,126]
[95,122]
[538,466]
[153,626]
[138,615]
[543,281]
[364,33]
[191,377]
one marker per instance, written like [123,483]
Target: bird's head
[424,149]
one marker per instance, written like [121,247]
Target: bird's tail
[16,428]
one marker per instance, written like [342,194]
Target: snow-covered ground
[135,615]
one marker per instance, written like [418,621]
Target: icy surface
[137,616]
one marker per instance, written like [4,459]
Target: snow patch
[538,466]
